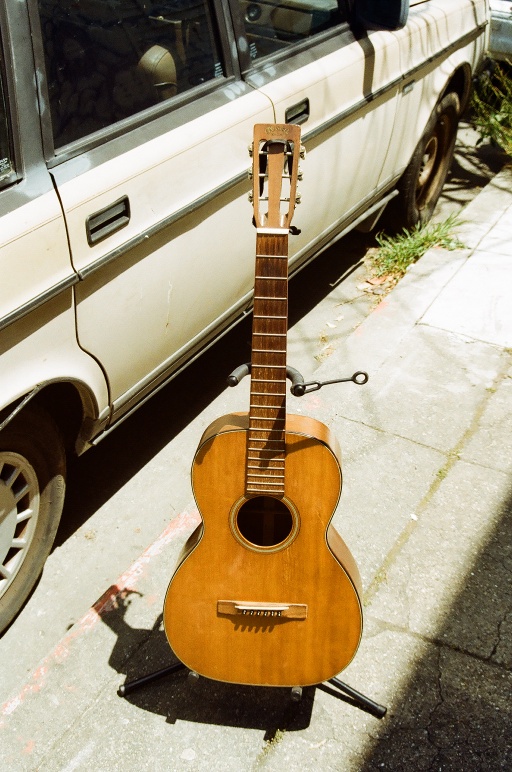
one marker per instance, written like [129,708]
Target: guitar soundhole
[266,522]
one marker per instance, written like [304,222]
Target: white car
[126,244]
[500,38]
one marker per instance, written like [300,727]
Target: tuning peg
[302,152]
[250,149]
[250,173]
[298,198]
[251,197]
[300,175]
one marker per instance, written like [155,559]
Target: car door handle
[298,113]
[107,221]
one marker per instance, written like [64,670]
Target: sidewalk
[426,511]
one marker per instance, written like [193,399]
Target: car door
[149,130]
[342,88]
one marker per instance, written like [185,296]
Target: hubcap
[429,158]
[19,509]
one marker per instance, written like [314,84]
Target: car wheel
[32,487]
[423,180]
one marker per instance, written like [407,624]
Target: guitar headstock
[275,152]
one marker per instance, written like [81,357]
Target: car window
[271,26]
[109,60]
[6,160]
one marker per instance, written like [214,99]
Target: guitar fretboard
[265,460]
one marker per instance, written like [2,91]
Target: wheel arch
[460,83]
[71,405]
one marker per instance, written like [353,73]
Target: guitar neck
[267,414]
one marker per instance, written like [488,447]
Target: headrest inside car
[159,66]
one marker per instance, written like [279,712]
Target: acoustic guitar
[266,592]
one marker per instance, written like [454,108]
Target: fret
[262,367]
[260,466]
[269,407]
[267,431]
[267,482]
[254,477]
[267,380]
[259,490]
[280,403]
[269,350]
[273,468]
[272,278]
[270,334]
[267,393]
[282,257]
[265,473]
[263,297]
[257,439]
[268,476]
[264,461]
[280,470]
[269,418]
[274,454]
[274,420]
[265,487]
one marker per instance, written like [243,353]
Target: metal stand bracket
[298,387]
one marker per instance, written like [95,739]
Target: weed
[492,107]
[397,253]
[273,741]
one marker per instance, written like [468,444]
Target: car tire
[422,182]
[32,488]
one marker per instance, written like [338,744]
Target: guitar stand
[354,697]
[343,690]
[298,387]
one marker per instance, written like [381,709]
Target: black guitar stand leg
[131,686]
[359,700]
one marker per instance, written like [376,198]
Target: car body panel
[500,38]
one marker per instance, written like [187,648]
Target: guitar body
[266,592]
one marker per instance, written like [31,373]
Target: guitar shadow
[138,652]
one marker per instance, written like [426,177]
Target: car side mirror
[375,14]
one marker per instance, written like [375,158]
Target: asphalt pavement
[426,511]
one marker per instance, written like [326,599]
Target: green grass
[396,253]
[492,107]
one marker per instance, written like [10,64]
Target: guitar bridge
[249,608]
